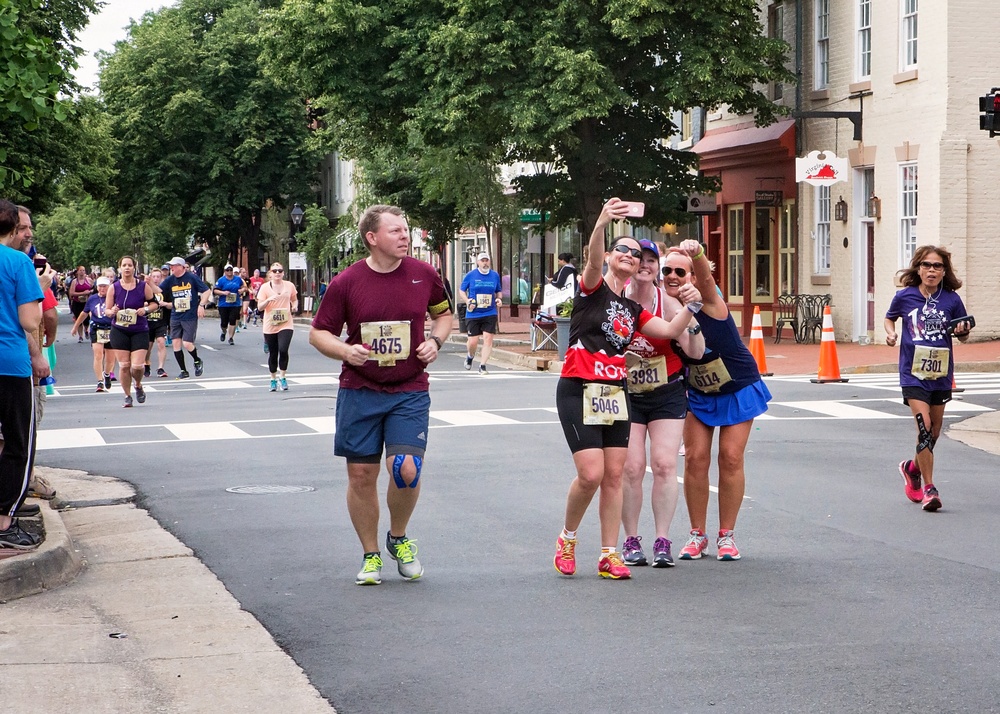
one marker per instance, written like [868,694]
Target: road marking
[67,439]
[227,385]
[471,417]
[321,425]
[207,431]
[840,410]
[312,381]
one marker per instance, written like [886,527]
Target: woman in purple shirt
[128,302]
[927,305]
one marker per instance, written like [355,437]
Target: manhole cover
[269,490]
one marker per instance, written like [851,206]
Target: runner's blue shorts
[730,409]
[368,420]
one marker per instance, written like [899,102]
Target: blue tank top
[131,300]
[722,344]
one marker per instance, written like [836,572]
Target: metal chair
[811,307]
[543,335]
[787,313]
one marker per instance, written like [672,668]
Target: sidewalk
[112,614]
[143,626]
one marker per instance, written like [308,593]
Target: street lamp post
[296,214]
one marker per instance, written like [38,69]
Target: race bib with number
[647,374]
[126,318]
[710,377]
[387,342]
[930,362]
[484,300]
[182,304]
[103,336]
[279,316]
[155,315]
[604,404]
[231,297]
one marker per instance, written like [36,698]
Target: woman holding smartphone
[932,311]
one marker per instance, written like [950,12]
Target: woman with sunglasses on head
[725,392]
[277,299]
[928,304]
[591,395]
[658,402]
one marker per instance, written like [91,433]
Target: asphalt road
[848,597]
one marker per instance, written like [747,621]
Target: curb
[54,563]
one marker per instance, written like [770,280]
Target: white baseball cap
[176,260]
[103,281]
[482,256]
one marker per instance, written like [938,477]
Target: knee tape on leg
[397,468]
[926,440]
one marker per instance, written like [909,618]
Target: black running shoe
[145,370]
[222,337]
[140,394]
[28,510]
[183,375]
[231,341]
[18,538]
[107,381]
[162,372]
[199,368]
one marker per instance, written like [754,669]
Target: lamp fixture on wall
[840,210]
[874,206]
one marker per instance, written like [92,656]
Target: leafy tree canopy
[587,84]
[205,137]
[37,56]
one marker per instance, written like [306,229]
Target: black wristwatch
[437,340]
[694,330]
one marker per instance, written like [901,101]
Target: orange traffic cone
[757,344]
[954,387]
[829,366]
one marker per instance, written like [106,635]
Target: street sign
[297,261]
[531,215]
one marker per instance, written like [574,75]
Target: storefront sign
[768,199]
[821,168]
[703,203]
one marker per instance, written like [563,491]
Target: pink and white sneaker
[727,546]
[911,480]
[695,547]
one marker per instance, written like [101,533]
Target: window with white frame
[864,68]
[907,212]
[823,230]
[687,124]
[822,73]
[908,43]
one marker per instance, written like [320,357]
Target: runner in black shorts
[591,398]
[159,327]
[128,302]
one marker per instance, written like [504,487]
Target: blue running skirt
[730,409]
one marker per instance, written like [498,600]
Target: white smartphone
[636,209]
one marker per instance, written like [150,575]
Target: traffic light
[989,119]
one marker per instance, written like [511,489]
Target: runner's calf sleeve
[926,440]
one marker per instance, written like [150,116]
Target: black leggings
[228,315]
[277,349]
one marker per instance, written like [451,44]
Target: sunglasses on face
[679,272]
[277,270]
[931,266]
[636,253]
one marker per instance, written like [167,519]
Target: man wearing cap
[481,291]
[229,289]
[185,295]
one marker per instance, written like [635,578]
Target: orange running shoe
[612,566]
[565,560]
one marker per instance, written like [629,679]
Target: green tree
[589,85]
[37,56]
[81,233]
[205,137]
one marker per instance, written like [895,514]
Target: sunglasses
[931,266]
[636,253]
[277,270]
[679,272]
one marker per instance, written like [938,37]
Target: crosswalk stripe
[227,385]
[321,425]
[840,410]
[67,439]
[207,431]
[471,417]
